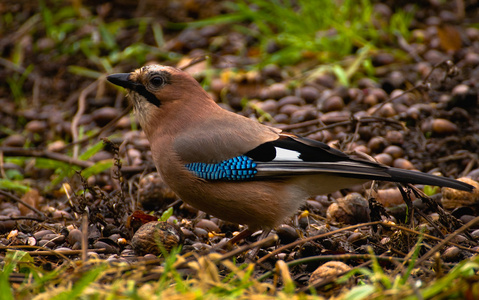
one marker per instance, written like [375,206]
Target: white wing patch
[286,155]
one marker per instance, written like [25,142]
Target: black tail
[415,177]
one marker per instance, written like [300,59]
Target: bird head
[161,92]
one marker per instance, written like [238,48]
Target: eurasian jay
[233,167]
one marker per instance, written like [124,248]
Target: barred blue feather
[236,168]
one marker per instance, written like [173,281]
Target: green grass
[210,279]
[325,30]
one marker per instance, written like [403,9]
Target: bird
[234,167]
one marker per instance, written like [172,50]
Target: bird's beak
[121,79]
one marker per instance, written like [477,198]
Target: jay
[233,167]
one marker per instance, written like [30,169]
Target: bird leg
[252,254]
[237,238]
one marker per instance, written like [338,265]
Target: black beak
[121,79]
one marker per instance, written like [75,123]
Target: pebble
[54,237]
[272,71]
[201,233]
[104,115]
[274,91]
[395,137]
[41,233]
[269,106]
[302,115]
[394,151]
[291,100]
[287,234]
[75,236]
[333,103]
[444,127]
[36,126]
[47,244]
[384,159]
[377,144]
[403,163]
[451,254]
[208,225]
[309,93]
[288,109]
[14,140]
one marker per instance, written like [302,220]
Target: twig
[17,151]
[84,237]
[385,224]
[79,113]
[61,253]
[446,240]
[265,241]
[16,199]
[311,238]
[361,120]
[102,130]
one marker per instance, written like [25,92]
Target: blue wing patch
[236,168]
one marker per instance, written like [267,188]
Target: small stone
[56,146]
[302,115]
[452,254]
[272,71]
[269,106]
[387,110]
[402,163]
[291,100]
[208,225]
[36,126]
[14,140]
[355,236]
[333,103]
[444,127]
[75,236]
[390,197]
[104,115]
[288,109]
[394,151]
[377,144]
[275,91]
[287,234]
[201,233]
[281,118]
[395,137]
[54,237]
[47,244]
[384,158]
[39,234]
[434,56]
[472,59]
[309,93]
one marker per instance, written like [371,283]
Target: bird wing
[290,156]
[305,156]
[220,137]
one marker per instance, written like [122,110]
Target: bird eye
[157,81]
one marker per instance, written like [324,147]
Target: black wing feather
[316,157]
